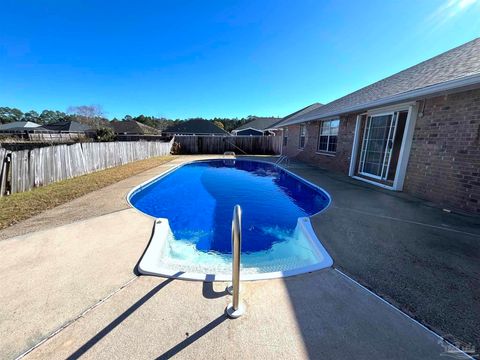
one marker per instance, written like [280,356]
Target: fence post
[3,171]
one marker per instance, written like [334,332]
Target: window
[285,137]
[303,131]
[327,136]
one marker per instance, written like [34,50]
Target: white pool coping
[150,263]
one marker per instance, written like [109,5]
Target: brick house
[417,131]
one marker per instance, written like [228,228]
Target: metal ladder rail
[236,308]
[282,159]
[235,146]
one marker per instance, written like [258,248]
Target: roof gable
[249,131]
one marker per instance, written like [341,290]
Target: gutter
[452,86]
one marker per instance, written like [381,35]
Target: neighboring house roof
[24,130]
[258,123]
[195,126]
[454,70]
[18,125]
[67,126]
[297,114]
[249,132]
[132,127]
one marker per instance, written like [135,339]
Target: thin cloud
[449,10]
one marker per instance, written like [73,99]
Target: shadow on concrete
[209,293]
[106,330]
[192,338]
[421,259]
[338,318]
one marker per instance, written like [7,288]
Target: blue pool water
[198,200]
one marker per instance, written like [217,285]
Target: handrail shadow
[209,293]
[192,338]
[107,329]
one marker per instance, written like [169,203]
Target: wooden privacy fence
[24,170]
[251,145]
[48,137]
[56,137]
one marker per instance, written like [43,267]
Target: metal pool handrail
[236,309]
[282,158]
[235,146]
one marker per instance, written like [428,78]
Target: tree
[92,115]
[88,111]
[8,115]
[51,116]
[105,134]
[32,116]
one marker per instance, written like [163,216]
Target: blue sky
[182,59]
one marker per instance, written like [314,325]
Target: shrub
[105,134]
[176,149]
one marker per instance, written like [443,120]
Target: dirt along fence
[241,145]
[26,169]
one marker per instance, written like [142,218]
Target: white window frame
[302,127]
[405,147]
[327,152]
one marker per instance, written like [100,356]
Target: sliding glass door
[377,145]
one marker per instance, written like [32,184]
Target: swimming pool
[193,205]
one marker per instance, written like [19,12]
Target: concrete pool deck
[69,288]
[420,258]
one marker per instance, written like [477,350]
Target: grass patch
[21,206]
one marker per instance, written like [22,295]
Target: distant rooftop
[68,126]
[133,127]
[454,69]
[258,123]
[195,126]
[18,125]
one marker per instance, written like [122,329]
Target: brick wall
[444,164]
[339,162]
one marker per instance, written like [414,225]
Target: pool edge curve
[143,268]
